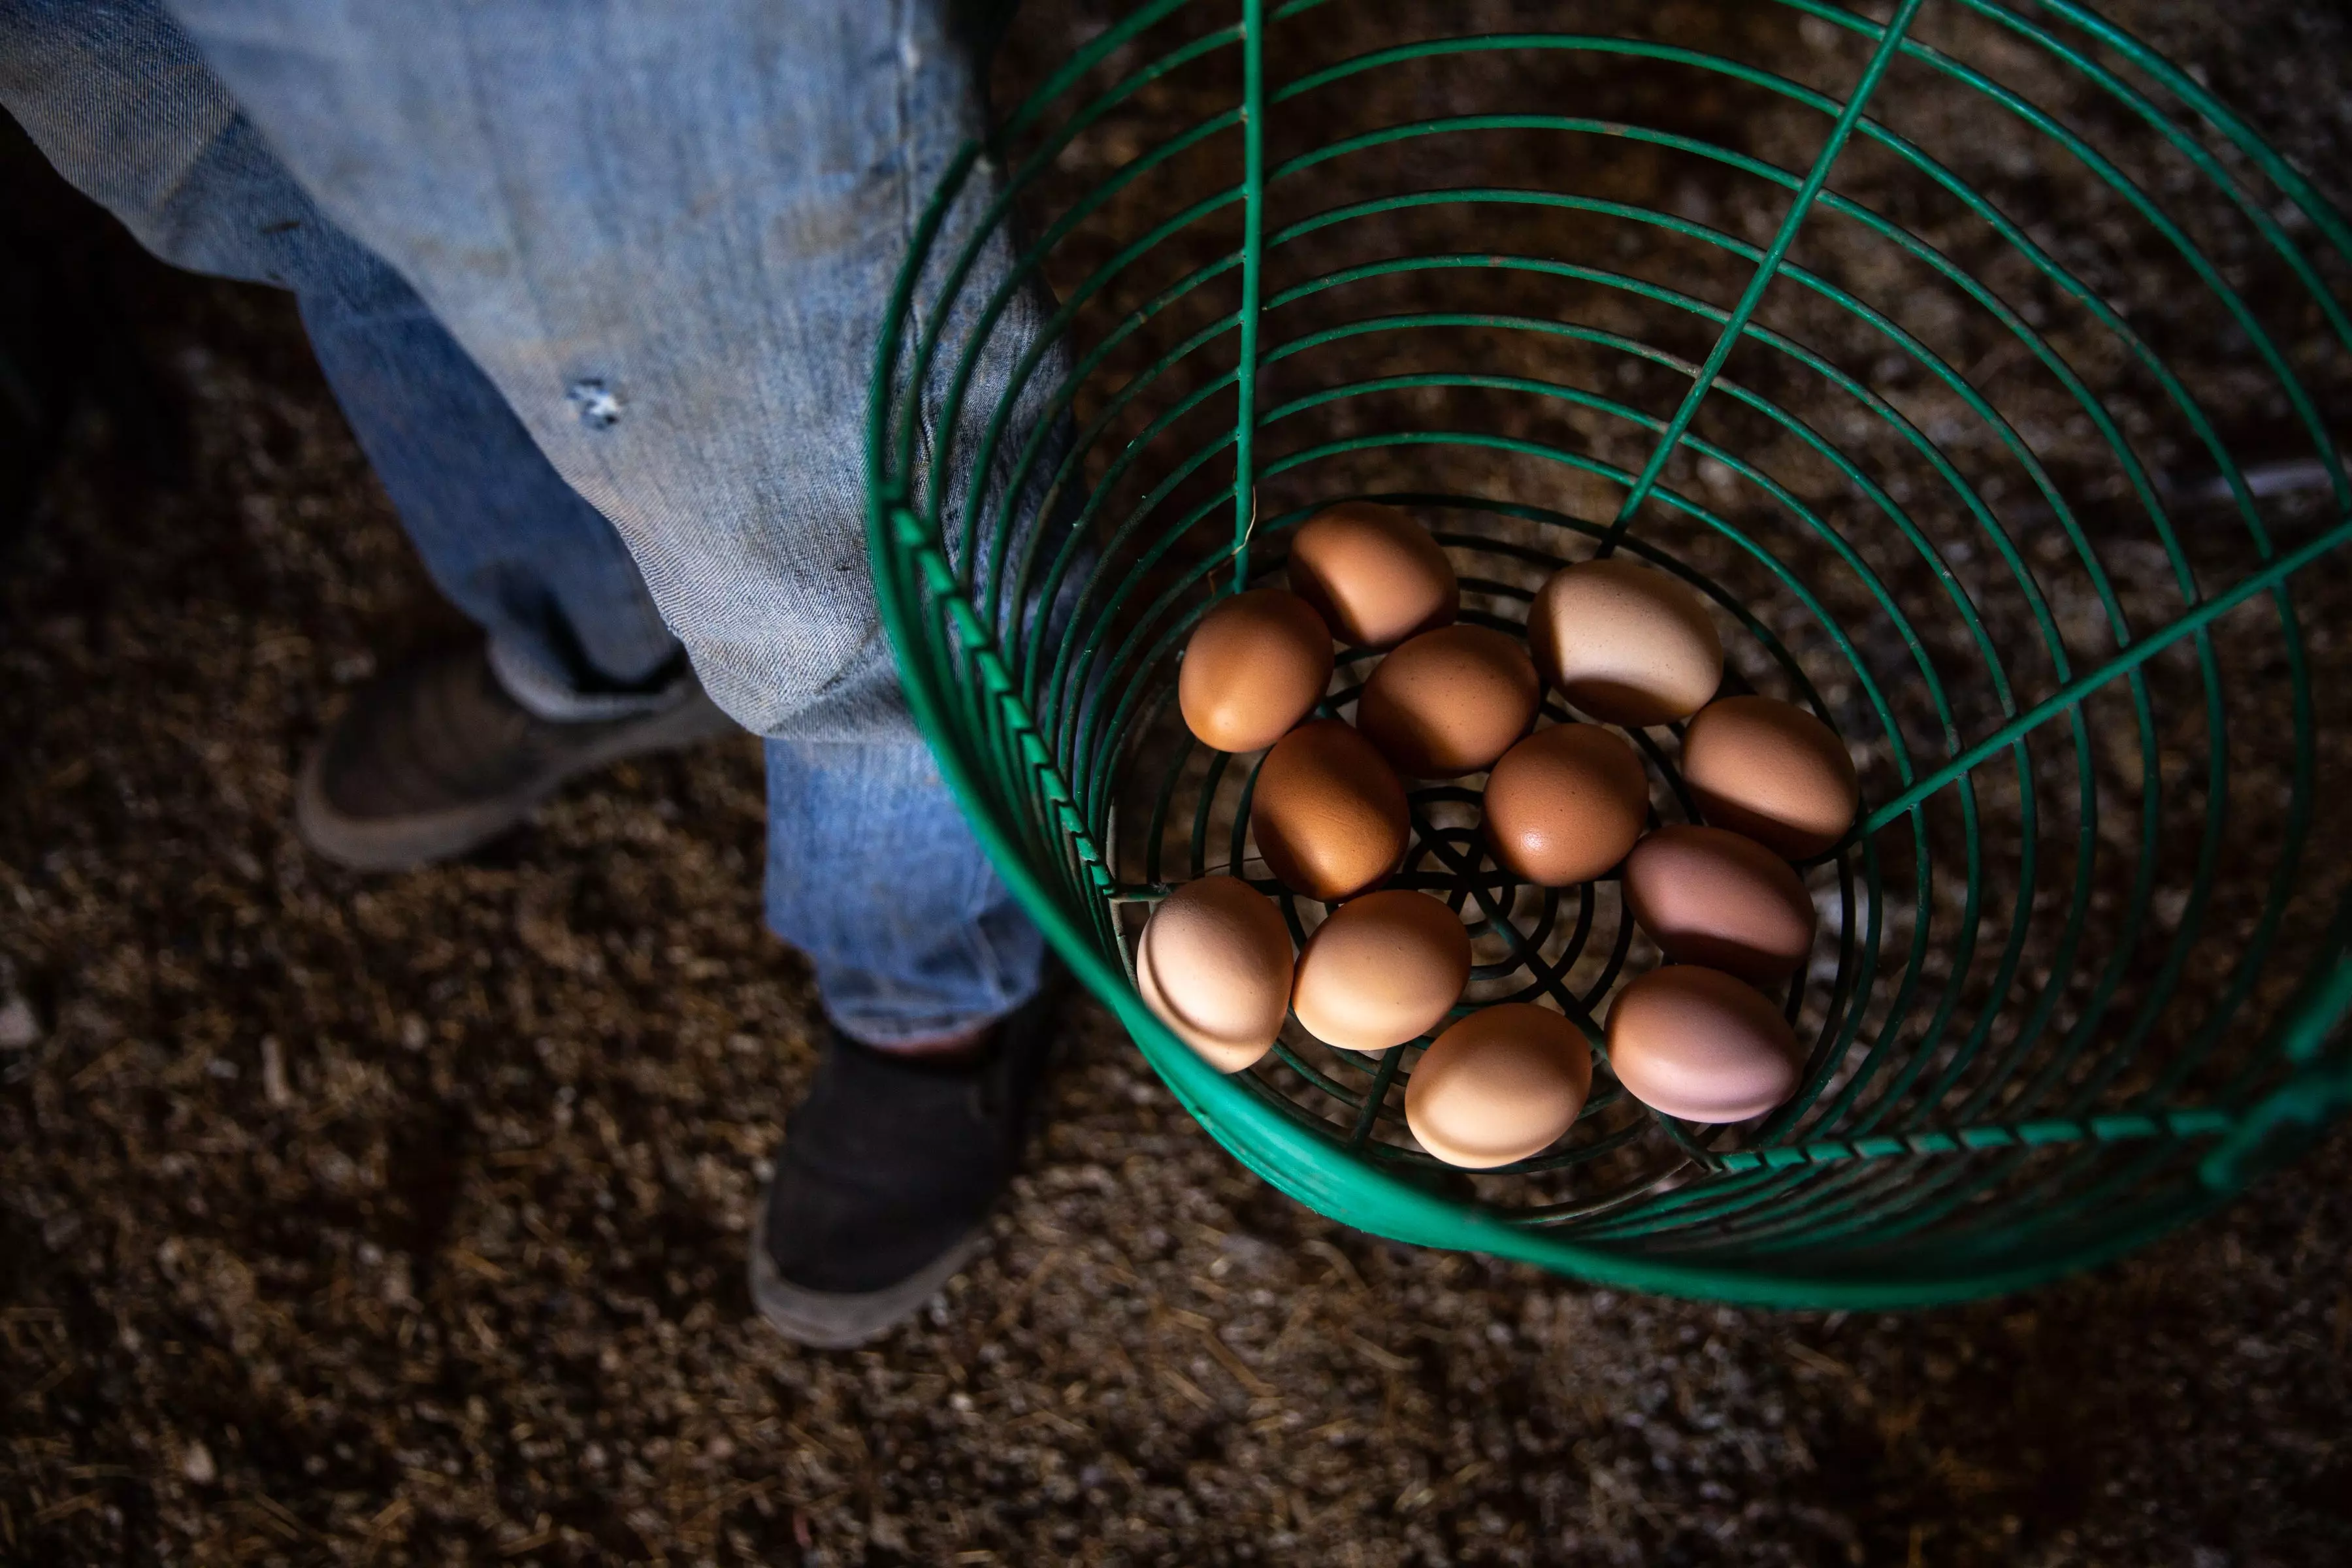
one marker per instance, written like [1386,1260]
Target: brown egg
[1374,575]
[1256,666]
[1697,1044]
[1329,813]
[1214,964]
[1565,804]
[1503,1083]
[1625,643]
[1384,969]
[1449,702]
[1709,896]
[1773,771]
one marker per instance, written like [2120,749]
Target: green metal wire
[1768,269]
[2019,1064]
[1245,417]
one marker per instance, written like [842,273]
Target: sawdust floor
[401,1220]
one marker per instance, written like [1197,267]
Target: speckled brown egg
[1565,804]
[1384,969]
[1215,964]
[1450,701]
[1709,896]
[1771,771]
[1701,1045]
[1374,575]
[1503,1083]
[1625,643]
[1255,667]
[1328,812]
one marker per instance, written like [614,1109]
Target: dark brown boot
[435,759]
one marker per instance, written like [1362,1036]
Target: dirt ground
[401,1220]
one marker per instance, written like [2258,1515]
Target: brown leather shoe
[435,759]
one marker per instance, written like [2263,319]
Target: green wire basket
[1976,361]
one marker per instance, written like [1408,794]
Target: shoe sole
[831,1320]
[402,844]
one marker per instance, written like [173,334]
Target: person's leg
[572,630]
[576,670]
[668,235]
[438,756]
[875,875]
[930,971]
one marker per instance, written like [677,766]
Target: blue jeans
[597,286]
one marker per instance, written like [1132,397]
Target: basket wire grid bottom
[1981,1106]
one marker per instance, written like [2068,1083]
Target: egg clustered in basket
[1626,646]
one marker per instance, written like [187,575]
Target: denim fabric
[847,820]
[117,99]
[657,244]
[573,631]
[667,234]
